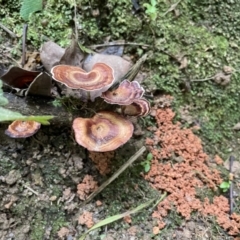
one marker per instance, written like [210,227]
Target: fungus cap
[73,77]
[22,129]
[106,131]
[140,107]
[125,94]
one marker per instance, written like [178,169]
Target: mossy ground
[206,33]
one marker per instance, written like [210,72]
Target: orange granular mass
[87,186]
[179,166]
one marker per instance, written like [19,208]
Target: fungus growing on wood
[99,77]
[139,107]
[125,94]
[106,131]
[22,129]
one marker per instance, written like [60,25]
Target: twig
[117,44]
[131,74]
[202,80]
[25,28]
[231,160]
[75,20]
[116,174]
[173,6]
[12,35]
[30,189]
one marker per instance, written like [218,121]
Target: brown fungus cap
[106,131]
[22,129]
[140,107]
[73,77]
[125,94]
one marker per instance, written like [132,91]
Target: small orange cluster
[184,171]
[87,186]
[102,161]
[86,219]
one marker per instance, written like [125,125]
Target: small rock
[12,177]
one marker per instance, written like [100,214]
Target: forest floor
[172,190]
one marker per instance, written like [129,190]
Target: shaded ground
[40,176]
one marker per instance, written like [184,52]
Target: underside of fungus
[139,107]
[106,131]
[125,94]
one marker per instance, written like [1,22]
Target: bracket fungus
[73,77]
[90,84]
[125,94]
[139,107]
[22,129]
[105,131]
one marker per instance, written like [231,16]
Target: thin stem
[12,35]
[116,174]
[231,160]
[24,48]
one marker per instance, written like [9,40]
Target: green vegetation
[147,163]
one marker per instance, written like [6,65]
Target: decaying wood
[30,106]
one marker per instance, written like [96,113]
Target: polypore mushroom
[22,129]
[106,131]
[140,107]
[98,80]
[77,78]
[125,94]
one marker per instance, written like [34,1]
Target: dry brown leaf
[184,63]
[51,53]
[236,127]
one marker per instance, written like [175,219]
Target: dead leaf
[40,86]
[222,79]
[236,127]
[32,59]
[51,53]
[184,63]
[63,232]
[73,55]
[17,77]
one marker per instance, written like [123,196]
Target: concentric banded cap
[73,77]
[106,131]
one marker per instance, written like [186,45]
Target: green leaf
[119,216]
[8,115]
[3,100]
[147,167]
[85,49]
[225,185]
[149,157]
[30,6]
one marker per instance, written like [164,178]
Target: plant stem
[116,174]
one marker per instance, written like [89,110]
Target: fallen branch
[116,174]
[12,35]
[117,44]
